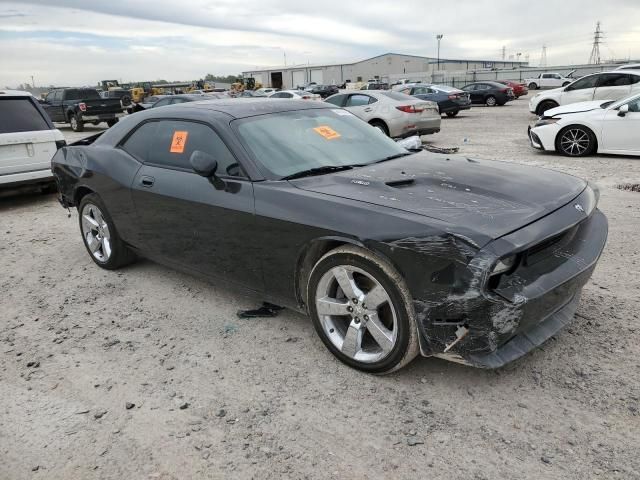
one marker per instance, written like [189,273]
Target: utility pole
[439,37]
[33,83]
[594,58]
[543,56]
[504,52]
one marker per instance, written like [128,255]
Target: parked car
[78,106]
[375,86]
[585,128]
[489,93]
[295,95]
[598,86]
[395,114]
[519,89]
[549,80]
[390,253]
[28,141]
[324,90]
[267,90]
[450,100]
[252,94]
[629,66]
[187,97]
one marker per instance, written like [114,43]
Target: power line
[594,58]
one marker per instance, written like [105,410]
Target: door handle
[147,181]
[368,109]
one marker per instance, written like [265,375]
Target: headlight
[547,121]
[504,265]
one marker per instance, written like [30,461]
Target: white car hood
[575,108]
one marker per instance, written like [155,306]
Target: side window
[546,75]
[358,100]
[586,82]
[420,91]
[162,103]
[336,100]
[178,100]
[170,143]
[468,88]
[54,96]
[613,80]
[278,95]
[556,76]
[635,105]
[633,79]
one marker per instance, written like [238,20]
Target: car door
[622,133]
[546,80]
[361,106]
[205,225]
[580,91]
[53,106]
[612,86]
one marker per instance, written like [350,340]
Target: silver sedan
[396,114]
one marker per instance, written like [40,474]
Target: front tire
[361,308]
[544,106]
[576,141]
[100,236]
[453,114]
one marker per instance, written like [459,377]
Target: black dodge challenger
[390,253]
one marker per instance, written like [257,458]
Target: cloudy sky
[73,42]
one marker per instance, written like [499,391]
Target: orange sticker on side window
[178,142]
[327,132]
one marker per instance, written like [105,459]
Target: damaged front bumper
[503,317]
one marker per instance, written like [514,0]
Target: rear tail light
[82,106]
[412,108]
[60,144]
[306,97]
[505,90]
[454,96]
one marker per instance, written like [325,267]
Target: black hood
[488,197]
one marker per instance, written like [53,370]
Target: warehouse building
[379,67]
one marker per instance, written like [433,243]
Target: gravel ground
[148,373]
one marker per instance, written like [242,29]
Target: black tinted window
[81,94]
[614,80]
[20,115]
[170,143]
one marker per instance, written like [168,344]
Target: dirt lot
[219,397]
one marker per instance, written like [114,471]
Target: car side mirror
[203,163]
[623,110]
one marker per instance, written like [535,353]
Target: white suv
[28,140]
[598,86]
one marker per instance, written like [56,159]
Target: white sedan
[296,95]
[588,127]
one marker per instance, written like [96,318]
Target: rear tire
[111,123]
[490,101]
[380,126]
[453,114]
[99,234]
[77,125]
[375,332]
[576,141]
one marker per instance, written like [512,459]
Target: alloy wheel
[96,232]
[491,101]
[575,142]
[356,314]
[74,123]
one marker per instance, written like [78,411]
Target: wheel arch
[373,121]
[80,192]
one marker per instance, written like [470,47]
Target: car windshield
[291,142]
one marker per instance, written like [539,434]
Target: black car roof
[248,107]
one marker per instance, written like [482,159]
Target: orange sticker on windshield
[179,141]
[327,132]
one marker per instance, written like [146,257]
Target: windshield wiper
[391,157]
[319,171]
